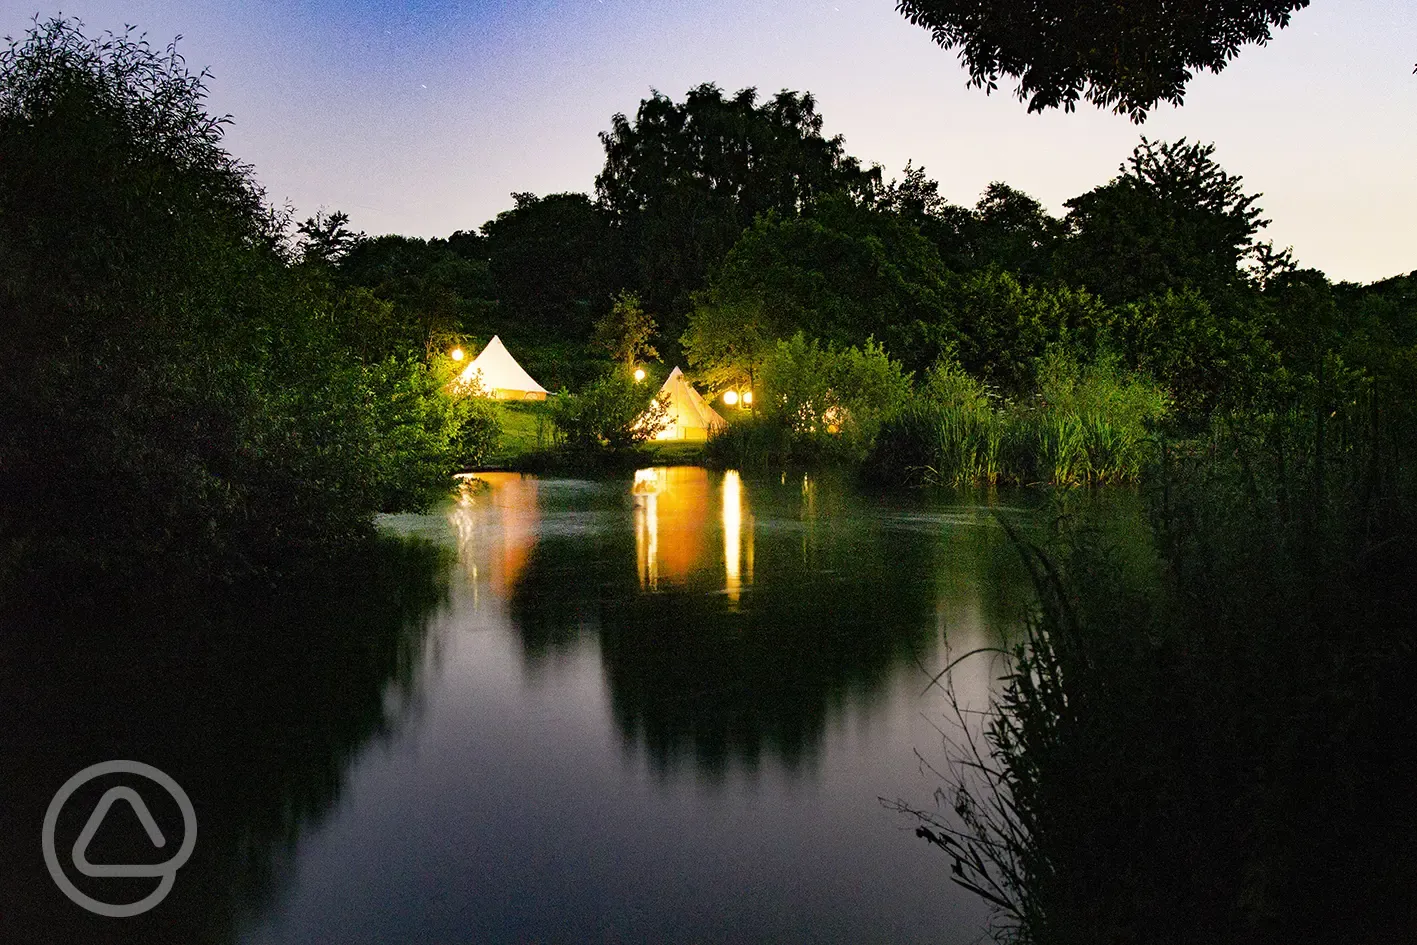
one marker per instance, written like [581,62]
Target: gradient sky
[423,116]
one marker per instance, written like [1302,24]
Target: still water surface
[599,717]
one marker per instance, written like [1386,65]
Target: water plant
[1214,746]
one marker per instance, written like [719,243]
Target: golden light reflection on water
[673,516]
[646,492]
[496,518]
[733,535]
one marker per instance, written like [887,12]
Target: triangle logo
[145,817]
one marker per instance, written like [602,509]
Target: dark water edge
[253,698]
[539,721]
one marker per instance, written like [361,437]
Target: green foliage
[727,342]
[1128,56]
[555,261]
[948,434]
[1275,631]
[625,332]
[841,273]
[158,354]
[1377,331]
[949,385]
[937,443]
[1099,387]
[1089,423]
[999,329]
[831,399]
[1206,356]
[612,414]
[754,443]
[432,293]
[1173,217]
[477,431]
[419,433]
[1010,230]
[525,428]
[1006,229]
[1093,422]
[683,180]
[915,198]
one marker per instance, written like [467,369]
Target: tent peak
[500,375]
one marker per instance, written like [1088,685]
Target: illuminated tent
[501,376]
[690,416]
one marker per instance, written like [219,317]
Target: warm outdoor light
[456,354]
[730,397]
[639,373]
[747,398]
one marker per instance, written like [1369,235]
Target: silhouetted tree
[556,263]
[326,237]
[1172,217]
[682,181]
[1126,55]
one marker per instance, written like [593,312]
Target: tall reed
[1220,749]
[1087,425]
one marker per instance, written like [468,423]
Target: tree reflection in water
[736,619]
[256,702]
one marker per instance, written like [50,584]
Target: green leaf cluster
[173,388]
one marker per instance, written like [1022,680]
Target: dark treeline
[179,391]
[235,385]
[737,225]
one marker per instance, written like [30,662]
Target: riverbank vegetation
[1216,745]
[179,385]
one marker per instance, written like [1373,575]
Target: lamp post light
[639,374]
[747,398]
[730,397]
[457,354]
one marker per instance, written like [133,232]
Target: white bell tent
[500,376]
[690,416]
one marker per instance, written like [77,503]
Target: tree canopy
[1126,55]
[1172,217]
[841,273]
[625,331]
[159,348]
[555,261]
[683,180]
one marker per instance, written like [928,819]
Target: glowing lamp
[747,398]
[730,397]
[456,354]
[639,374]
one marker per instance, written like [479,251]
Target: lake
[594,715]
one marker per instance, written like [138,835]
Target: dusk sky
[423,117]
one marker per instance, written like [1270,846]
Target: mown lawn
[525,429]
